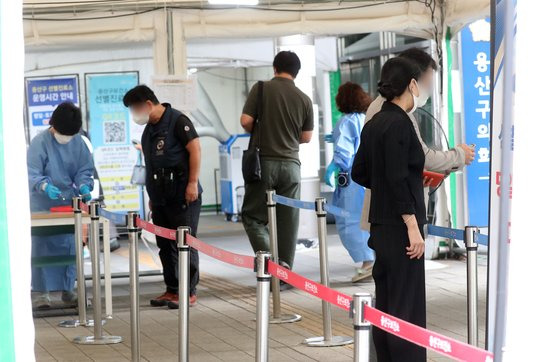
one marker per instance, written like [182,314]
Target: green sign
[335,82]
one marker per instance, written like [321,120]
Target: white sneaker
[362,273]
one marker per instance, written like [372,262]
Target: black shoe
[285,286]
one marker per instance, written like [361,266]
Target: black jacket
[390,162]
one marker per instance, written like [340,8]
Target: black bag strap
[258,119]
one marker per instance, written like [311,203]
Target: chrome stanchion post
[277,317]
[133,236]
[97,337]
[107,268]
[80,276]
[361,326]
[184,290]
[471,250]
[327,340]
[262,305]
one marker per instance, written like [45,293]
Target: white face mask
[415,100]
[62,139]
[424,96]
[141,118]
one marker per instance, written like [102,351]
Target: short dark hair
[287,62]
[139,94]
[66,119]
[351,98]
[423,60]
[395,77]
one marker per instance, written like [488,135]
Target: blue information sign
[476,72]
[44,94]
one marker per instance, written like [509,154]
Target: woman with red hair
[353,102]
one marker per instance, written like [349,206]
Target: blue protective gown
[346,137]
[67,167]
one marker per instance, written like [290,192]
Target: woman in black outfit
[390,162]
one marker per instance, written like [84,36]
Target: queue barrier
[98,336]
[363,314]
[320,207]
[119,219]
[277,316]
[434,230]
[408,331]
[298,204]
[470,235]
[456,234]
[101,216]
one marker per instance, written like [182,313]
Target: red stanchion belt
[426,338]
[243,261]
[408,331]
[157,230]
[318,290]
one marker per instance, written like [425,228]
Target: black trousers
[171,217]
[400,291]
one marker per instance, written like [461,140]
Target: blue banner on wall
[111,134]
[44,94]
[476,73]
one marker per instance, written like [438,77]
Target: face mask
[415,101]
[62,139]
[424,96]
[141,119]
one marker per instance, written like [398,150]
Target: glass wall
[361,61]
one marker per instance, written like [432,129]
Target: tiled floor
[222,325]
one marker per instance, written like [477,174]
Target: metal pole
[216,187]
[80,275]
[95,267]
[361,327]
[262,305]
[107,268]
[277,317]
[471,250]
[97,337]
[184,290]
[501,303]
[327,340]
[133,236]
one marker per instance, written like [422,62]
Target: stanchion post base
[285,318]
[334,342]
[76,323]
[102,340]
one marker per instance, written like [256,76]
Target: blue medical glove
[329,138]
[85,192]
[330,175]
[53,192]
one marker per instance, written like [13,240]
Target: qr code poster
[114,132]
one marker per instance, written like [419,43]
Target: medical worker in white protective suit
[352,101]
[60,167]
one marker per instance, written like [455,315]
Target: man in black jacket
[172,152]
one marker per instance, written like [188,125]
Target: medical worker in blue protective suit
[60,166]
[353,102]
